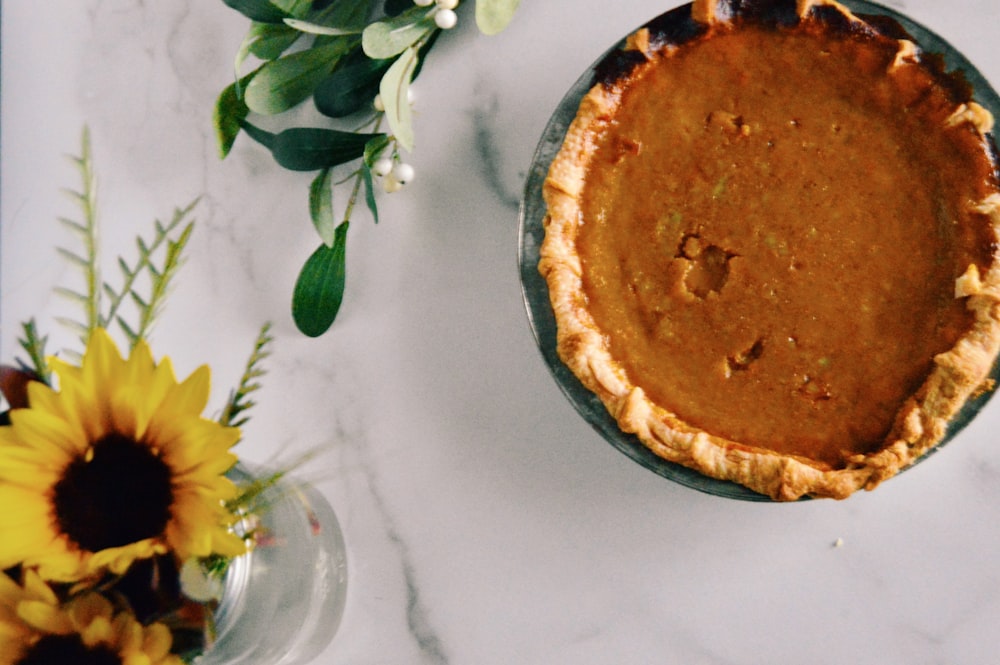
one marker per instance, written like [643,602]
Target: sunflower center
[63,649]
[121,496]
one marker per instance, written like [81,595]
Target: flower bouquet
[128,531]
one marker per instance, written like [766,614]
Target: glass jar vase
[282,602]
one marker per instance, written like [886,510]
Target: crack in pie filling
[771,244]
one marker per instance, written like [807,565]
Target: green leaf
[424,50]
[492,16]
[258,10]
[229,111]
[388,38]
[393,89]
[296,8]
[319,289]
[344,14]
[261,136]
[321,205]
[396,7]
[314,29]
[310,148]
[374,148]
[268,41]
[366,174]
[283,83]
[351,87]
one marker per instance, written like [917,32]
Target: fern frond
[74,325]
[72,296]
[72,225]
[160,281]
[73,258]
[132,335]
[87,259]
[145,265]
[239,400]
[34,346]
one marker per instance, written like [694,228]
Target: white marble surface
[486,523]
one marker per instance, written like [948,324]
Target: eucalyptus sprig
[356,60]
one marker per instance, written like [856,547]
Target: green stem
[87,199]
[359,176]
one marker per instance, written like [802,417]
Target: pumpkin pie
[771,244]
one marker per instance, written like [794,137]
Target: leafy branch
[149,307]
[34,346]
[239,399]
[86,260]
[356,60]
[157,262]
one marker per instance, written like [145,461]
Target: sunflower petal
[35,588]
[157,641]
[41,396]
[98,631]
[227,543]
[191,396]
[51,435]
[10,591]
[12,649]
[85,611]
[61,565]
[137,658]
[44,617]
[128,634]
[21,466]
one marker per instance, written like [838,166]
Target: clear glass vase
[282,602]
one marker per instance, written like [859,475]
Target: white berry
[403,173]
[382,166]
[411,96]
[446,4]
[377,103]
[445,19]
[423,3]
[390,184]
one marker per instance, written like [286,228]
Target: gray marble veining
[486,523]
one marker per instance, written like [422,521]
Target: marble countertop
[486,523]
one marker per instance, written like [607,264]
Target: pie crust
[598,347]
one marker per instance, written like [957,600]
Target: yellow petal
[35,588]
[227,543]
[12,650]
[157,641]
[191,396]
[44,617]
[23,466]
[50,435]
[140,381]
[10,591]
[136,658]
[97,631]
[128,633]
[41,396]
[85,610]
[61,565]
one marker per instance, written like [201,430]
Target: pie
[771,242]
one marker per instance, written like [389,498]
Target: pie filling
[771,229]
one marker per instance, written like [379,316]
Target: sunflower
[116,465]
[35,629]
